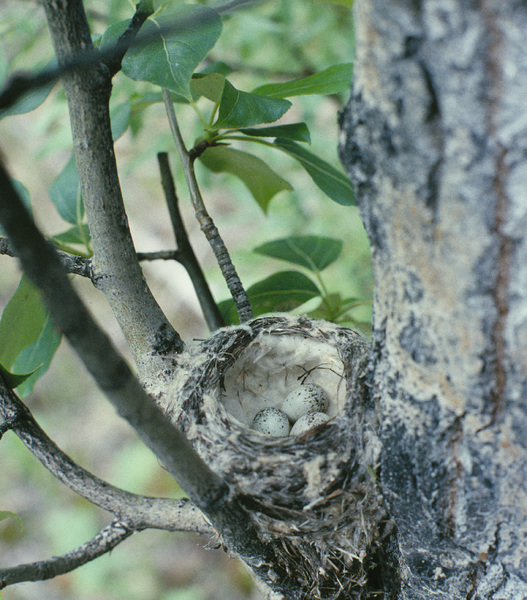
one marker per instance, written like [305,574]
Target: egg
[308,421]
[305,399]
[271,421]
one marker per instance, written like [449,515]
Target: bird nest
[314,493]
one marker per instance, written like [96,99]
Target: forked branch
[186,254]
[151,338]
[241,301]
[139,511]
[208,491]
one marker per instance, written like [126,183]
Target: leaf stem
[238,293]
[206,124]
[244,138]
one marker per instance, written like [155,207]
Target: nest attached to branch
[312,495]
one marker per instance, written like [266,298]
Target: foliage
[240,99]
[170,60]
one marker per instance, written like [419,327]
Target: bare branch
[76,265]
[186,254]
[139,511]
[81,265]
[103,542]
[159,255]
[208,492]
[207,225]
[117,272]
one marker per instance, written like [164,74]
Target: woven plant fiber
[314,495]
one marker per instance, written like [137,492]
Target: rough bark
[434,138]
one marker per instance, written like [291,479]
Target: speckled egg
[271,421]
[308,421]
[305,399]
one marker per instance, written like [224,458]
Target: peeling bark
[435,140]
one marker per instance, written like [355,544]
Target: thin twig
[81,265]
[127,38]
[159,255]
[206,489]
[187,256]
[76,265]
[107,539]
[140,511]
[207,225]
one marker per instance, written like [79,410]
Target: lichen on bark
[434,141]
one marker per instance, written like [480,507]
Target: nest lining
[271,366]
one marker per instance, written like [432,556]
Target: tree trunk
[434,138]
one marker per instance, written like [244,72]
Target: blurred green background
[274,41]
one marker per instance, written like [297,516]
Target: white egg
[271,421]
[308,421]
[305,399]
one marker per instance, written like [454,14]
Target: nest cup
[312,496]
[225,380]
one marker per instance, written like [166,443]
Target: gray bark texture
[435,140]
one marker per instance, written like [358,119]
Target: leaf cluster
[177,58]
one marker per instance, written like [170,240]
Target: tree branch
[186,254]
[208,492]
[81,265]
[210,230]
[76,265]
[127,38]
[103,542]
[151,338]
[140,511]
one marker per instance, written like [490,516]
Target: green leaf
[171,57]
[65,194]
[120,118]
[332,182]
[236,108]
[74,235]
[263,183]
[334,80]
[210,86]
[21,323]
[36,358]
[292,131]
[24,195]
[281,292]
[7,514]
[217,66]
[111,36]
[28,340]
[30,100]
[14,379]
[310,251]
[243,109]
